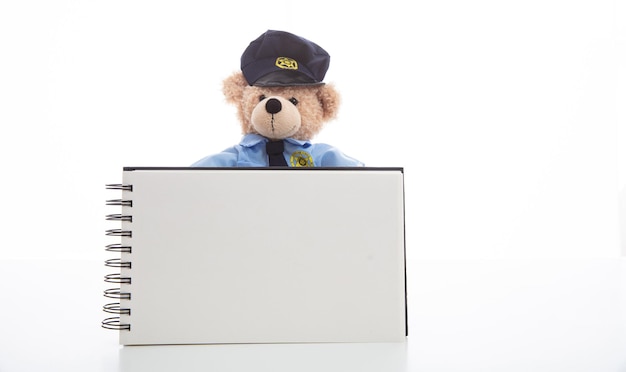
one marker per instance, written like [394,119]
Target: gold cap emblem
[286,63]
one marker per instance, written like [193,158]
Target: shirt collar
[252,139]
[296,142]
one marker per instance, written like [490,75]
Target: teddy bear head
[279,92]
[279,112]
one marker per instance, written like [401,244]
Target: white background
[507,116]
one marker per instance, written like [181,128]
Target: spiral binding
[119,217]
[119,186]
[117,294]
[115,308]
[119,232]
[117,247]
[115,323]
[117,278]
[120,202]
[117,262]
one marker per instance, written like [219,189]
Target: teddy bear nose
[273,106]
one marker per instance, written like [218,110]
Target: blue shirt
[250,152]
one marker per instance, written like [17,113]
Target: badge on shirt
[301,159]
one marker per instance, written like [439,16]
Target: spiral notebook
[256,255]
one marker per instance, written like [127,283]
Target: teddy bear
[282,103]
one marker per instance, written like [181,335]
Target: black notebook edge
[155,168]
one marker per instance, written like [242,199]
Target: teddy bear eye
[293,100]
[262,97]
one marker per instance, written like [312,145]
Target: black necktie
[275,150]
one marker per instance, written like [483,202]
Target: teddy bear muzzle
[276,118]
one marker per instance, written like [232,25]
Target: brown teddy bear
[282,103]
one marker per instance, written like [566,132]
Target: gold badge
[301,159]
[286,63]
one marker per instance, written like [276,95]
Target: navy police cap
[278,58]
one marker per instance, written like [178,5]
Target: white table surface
[466,315]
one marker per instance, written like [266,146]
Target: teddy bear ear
[330,99]
[233,87]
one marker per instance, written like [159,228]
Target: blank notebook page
[261,255]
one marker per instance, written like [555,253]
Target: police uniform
[250,152]
[261,65]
